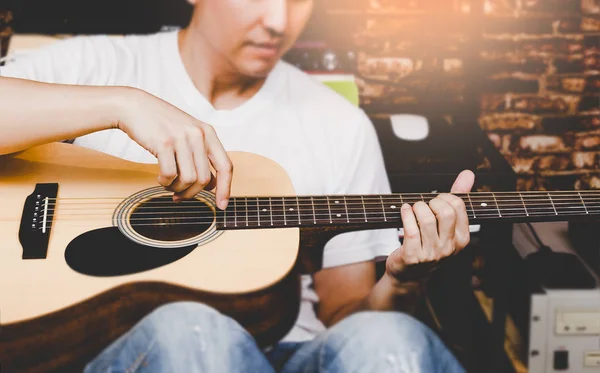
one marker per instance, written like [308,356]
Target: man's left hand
[431,232]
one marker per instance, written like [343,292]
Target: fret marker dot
[291,209]
[339,215]
[264,209]
[483,204]
[337,201]
[393,206]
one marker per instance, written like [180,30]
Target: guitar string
[321,222]
[530,205]
[321,210]
[251,208]
[400,193]
[418,196]
[326,217]
[376,201]
[254,204]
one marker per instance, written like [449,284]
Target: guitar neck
[375,211]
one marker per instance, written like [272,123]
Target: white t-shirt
[326,145]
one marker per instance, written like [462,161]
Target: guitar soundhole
[162,219]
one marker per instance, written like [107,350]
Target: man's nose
[275,16]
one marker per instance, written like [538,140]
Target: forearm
[34,113]
[388,294]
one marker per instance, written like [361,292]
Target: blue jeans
[190,337]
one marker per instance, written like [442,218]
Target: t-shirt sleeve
[361,171]
[83,60]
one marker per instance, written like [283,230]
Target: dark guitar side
[65,341]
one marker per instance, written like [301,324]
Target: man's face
[251,35]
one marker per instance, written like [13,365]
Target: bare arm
[352,288]
[34,113]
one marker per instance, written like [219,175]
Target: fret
[583,203]
[524,206]
[499,214]
[355,209]
[383,208]
[566,204]
[283,210]
[264,208]
[246,205]
[229,216]
[539,204]
[472,208]
[235,210]
[552,202]
[509,205]
[291,210]
[339,210]
[346,209]
[392,208]
[258,210]
[483,206]
[364,208]
[313,208]
[298,209]
[305,209]
[322,214]
[271,210]
[251,212]
[329,209]
[277,211]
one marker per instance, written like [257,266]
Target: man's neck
[212,75]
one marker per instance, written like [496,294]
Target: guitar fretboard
[298,211]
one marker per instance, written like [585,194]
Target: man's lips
[266,49]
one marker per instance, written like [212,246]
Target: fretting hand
[431,232]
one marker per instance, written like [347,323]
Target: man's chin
[258,68]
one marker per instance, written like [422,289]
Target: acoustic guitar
[90,245]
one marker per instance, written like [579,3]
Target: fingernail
[405,206]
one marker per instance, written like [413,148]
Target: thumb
[464,182]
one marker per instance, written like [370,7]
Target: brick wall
[532,67]
[5,30]
[541,102]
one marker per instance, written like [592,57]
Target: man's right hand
[184,146]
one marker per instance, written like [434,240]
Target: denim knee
[386,341]
[174,324]
[182,337]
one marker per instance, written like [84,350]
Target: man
[182,99]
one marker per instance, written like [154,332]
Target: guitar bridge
[36,221]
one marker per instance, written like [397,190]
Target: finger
[222,165]
[446,224]
[428,226]
[202,168]
[167,165]
[464,182]
[185,167]
[462,234]
[411,245]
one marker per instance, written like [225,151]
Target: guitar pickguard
[107,252]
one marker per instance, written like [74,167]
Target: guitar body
[91,283]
